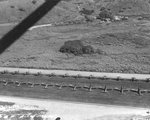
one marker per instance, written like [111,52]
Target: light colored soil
[125,47]
[13,111]
[78,111]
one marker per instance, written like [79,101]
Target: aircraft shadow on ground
[8,39]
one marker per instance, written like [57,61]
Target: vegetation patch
[76,47]
[104,15]
[85,11]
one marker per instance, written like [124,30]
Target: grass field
[123,47]
[60,89]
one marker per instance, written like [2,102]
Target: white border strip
[76,73]
[39,26]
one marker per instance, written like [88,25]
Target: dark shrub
[86,11]
[22,9]
[74,47]
[37,118]
[102,9]
[105,14]
[12,6]
[58,118]
[88,49]
[34,1]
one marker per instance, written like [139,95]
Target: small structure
[120,18]
[117,18]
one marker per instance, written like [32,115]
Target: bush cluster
[86,11]
[76,47]
[105,14]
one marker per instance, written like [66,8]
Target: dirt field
[78,111]
[15,111]
[124,47]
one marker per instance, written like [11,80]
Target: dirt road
[33,27]
[40,26]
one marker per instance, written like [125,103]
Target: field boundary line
[76,73]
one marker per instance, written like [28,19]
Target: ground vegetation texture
[113,44]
